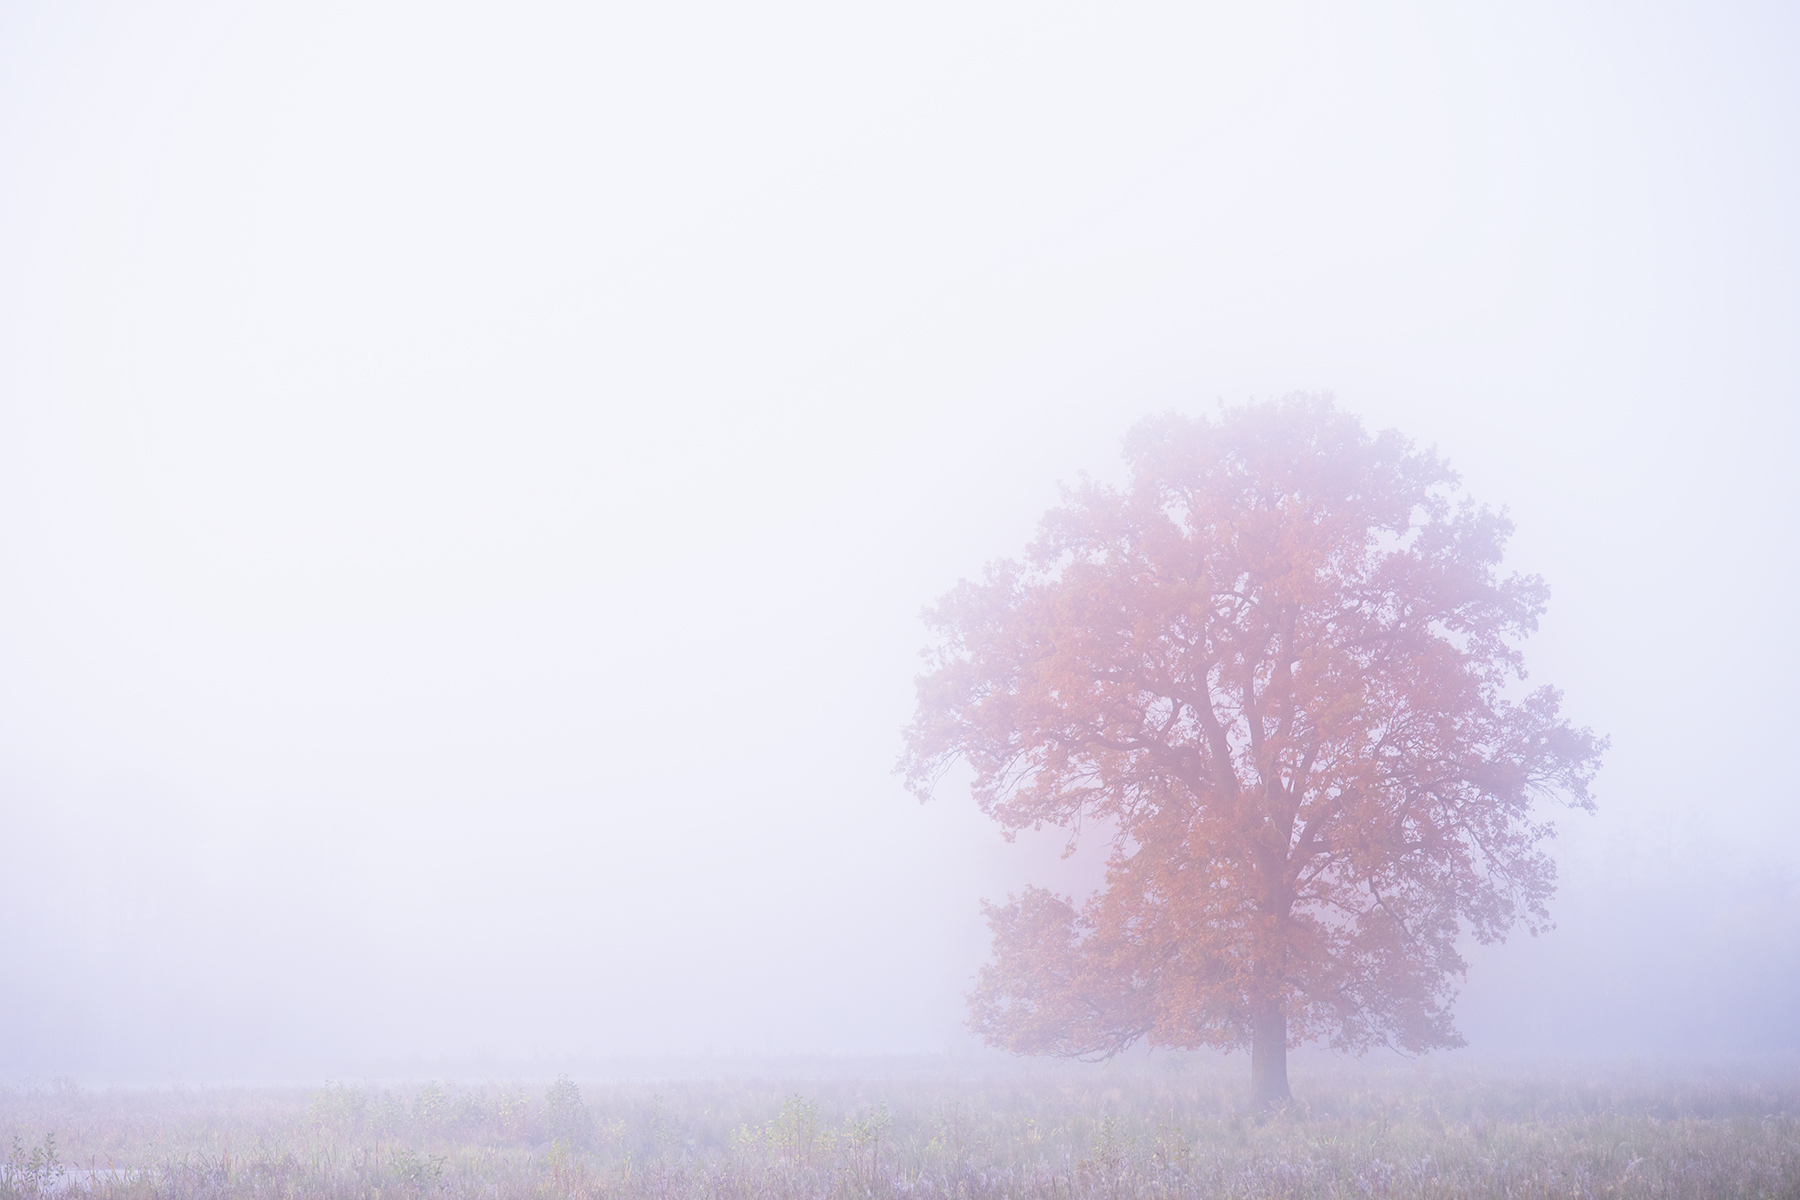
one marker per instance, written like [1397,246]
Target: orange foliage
[1276,664]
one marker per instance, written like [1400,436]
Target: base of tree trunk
[1268,1060]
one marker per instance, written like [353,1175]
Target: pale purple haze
[469,478]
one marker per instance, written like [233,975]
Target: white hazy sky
[469,477]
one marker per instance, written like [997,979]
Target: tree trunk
[1268,1057]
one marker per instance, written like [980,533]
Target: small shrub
[567,1120]
[28,1174]
[339,1107]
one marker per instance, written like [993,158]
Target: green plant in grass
[566,1118]
[29,1173]
[339,1106]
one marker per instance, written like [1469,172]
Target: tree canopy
[1280,667]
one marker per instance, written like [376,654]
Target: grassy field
[1161,1126]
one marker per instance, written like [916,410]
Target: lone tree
[1274,667]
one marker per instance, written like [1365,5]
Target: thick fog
[469,479]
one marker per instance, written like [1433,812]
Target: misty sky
[469,478]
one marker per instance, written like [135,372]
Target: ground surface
[1162,1126]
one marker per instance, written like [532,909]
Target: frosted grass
[1169,1127]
